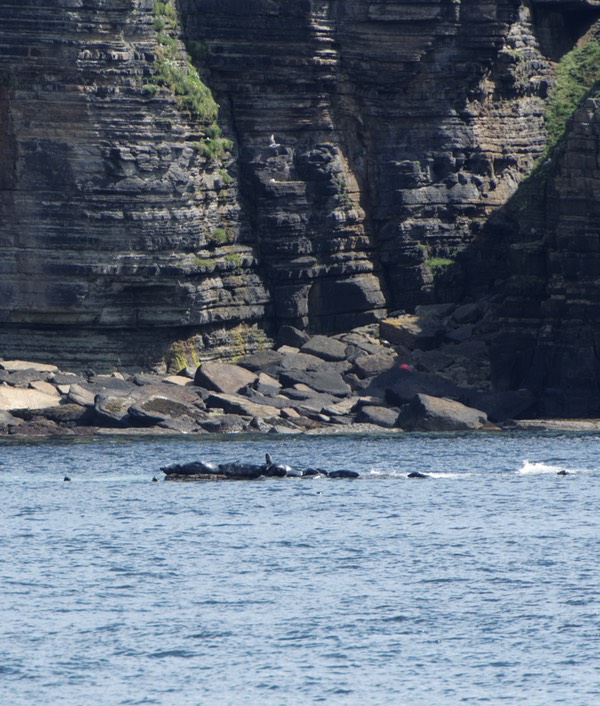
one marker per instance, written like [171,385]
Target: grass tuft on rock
[174,71]
[576,75]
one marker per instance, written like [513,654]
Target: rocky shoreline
[423,372]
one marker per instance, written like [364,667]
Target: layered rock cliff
[118,234]
[434,110]
[367,146]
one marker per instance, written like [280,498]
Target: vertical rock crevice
[276,66]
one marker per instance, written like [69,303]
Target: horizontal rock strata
[371,152]
[369,141]
[112,218]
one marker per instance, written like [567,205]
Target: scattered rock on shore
[405,373]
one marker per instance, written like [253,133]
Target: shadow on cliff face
[538,263]
[536,258]
[400,91]
[561,23]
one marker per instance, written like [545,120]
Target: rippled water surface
[477,585]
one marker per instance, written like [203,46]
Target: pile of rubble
[424,372]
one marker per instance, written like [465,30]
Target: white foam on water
[539,467]
[381,473]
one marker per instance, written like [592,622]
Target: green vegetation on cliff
[174,70]
[576,74]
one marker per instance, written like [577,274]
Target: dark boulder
[113,409]
[266,385]
[22,378]
[158,408]
[224,423]
[328,382]
[262,361]
[291,336]
[303,361]
[60,414]
[267,400]
[426,413]
[109,384]
[468,313]
[408,383]
[68,379]
[324,347]
[366,365]
[237,404]
[382,416]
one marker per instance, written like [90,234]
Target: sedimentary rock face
[363,146]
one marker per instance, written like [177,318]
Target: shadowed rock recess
[367,157]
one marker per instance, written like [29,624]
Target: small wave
[537,467]
[447,474]
[378,473]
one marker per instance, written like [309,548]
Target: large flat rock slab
[426,413]
[236,404]
[13,365]
[328,382]
[160,408]
[424,332]
[20,398]
[223,377]
[325,347]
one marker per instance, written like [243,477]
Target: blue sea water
[478,585]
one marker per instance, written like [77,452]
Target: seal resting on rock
[344,474]
[314,472]
[274,470]
[239,470]
[190,469]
